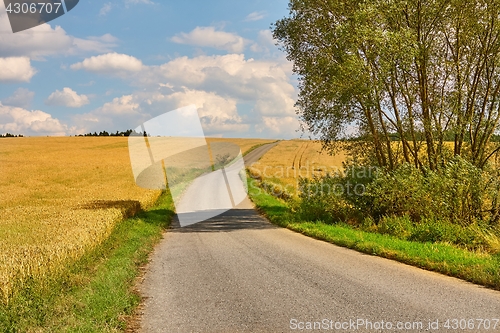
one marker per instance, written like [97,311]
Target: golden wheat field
[60,197]
[289,160]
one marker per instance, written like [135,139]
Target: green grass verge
[480,268]
[96,293]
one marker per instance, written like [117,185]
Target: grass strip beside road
[96,293]
[479,268]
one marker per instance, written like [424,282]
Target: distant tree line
[102,133]
[105,133]
[8,135]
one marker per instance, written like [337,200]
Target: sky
[113,65]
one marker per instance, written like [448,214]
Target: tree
[423,69]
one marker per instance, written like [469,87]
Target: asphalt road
[256,154]
[216,192]
[238,273]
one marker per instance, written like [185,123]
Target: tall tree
[426,70]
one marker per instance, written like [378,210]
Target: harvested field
[289,160]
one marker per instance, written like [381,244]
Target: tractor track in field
[302,155]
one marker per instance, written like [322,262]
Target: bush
[339,197]
[472,237]
[399,193]
[320,201]
[458,193]
[456,204]
[401,227]
[432,230]
[368,224]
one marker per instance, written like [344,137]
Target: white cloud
[16,69]
[17,120]
[43,40]
[209,37]
[218,114]
[265,42]
[234,95]
[279,126]
[265,82]
[105,9]
[94,44]
[218,85]
[22,98]
[119,114]
[255,16]
[119,106]
[68,98]
[134,2]
[110,63]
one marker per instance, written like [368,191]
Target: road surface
[213,193]
[238,273]
[256,154]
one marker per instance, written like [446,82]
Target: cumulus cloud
[22,98]
[17,120]
[218,85]
[234,95]
[218,115]
[263,84]
[266,82]
[134,2]
[121,113]
[93,44]
[68,98]
[120,106]
[110,63]
[43,40]
[265,42]
[16,69]
[255,16]
[209,37]
[279,126]
[105,9]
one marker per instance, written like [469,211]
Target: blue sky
[112,65]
